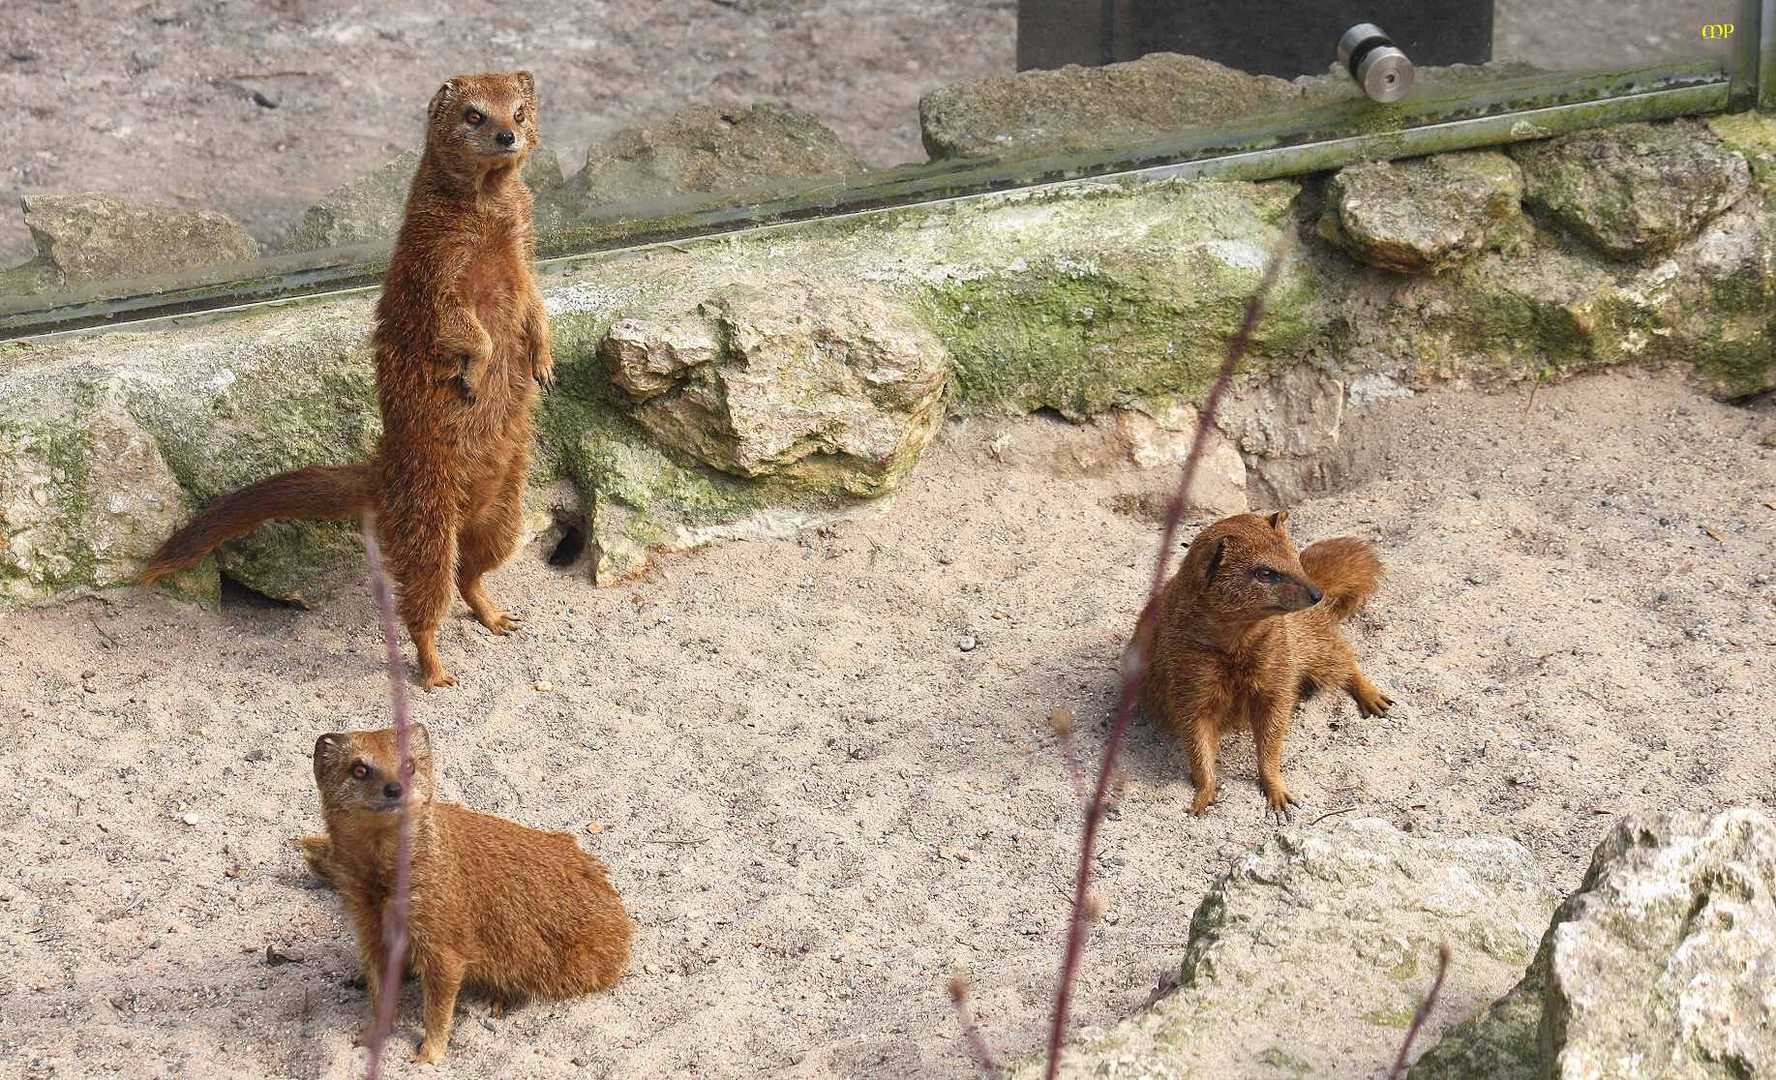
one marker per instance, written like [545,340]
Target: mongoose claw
[546,380]
[1281,810]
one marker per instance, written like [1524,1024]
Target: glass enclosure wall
[177,155]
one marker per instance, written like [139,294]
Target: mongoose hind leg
[317,852]
[1335,668]
[1370,700]
[487,540]
[421,550]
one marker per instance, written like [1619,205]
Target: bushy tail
[319,491]
[1346,570]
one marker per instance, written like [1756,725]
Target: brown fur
[506,909]
[462,341]
[1246,626]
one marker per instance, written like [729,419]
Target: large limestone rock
[1662,965]
[1309,957]
[85,497]
[369,208]
[640,499]
[1424,214]
[1635,191]
[105,449]
[1083,108]
[823,382]
[1078,305]
[92,237]
[1289,428]
[757,150]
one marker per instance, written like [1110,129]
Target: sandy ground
[156,98]
[816,803]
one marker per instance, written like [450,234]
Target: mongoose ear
[1215,559]
[1278,519]
[443,99]
[419,740]
[528,85]
[328,745]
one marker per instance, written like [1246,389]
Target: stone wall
[752,384]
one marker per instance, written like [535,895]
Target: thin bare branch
[977,1043]
[1423,1013]
[1135,657]
[394,930]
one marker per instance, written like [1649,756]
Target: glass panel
[185,156]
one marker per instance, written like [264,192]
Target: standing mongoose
[513,911]
[462,342]
[1245,627]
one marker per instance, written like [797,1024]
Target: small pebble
[967,643]
[544,686]
[192,819]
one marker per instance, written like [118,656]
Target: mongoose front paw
[429,1052]
[1374,703]
[1281,810]
[440,677]
[543,369]
[1204,797]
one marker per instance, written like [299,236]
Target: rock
[1083,108]
[1309,956]
[1088,302]
[761,150]
[369,208]
[640,498]
[126,433]
[94,237]
[85,498]
[1424,214]
[1659,966]
[1159,434]
[1289,429]
[1636,191]
[819,381]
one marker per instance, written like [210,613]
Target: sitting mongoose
[1245,627]
[506,909]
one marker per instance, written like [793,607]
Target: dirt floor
[157,98]
[817,802]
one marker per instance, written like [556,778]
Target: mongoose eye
[1265,573]
[360,770]
[518,117]
[409,769]
[474,117]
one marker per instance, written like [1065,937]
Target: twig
[267,75]
[395,915]
[1135,657]
[1334,813]
[1423,1013]
[1062,721]
[983,1054]
[675,839]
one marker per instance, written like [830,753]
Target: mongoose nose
[506,138]
[391,790]
[1313,595]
